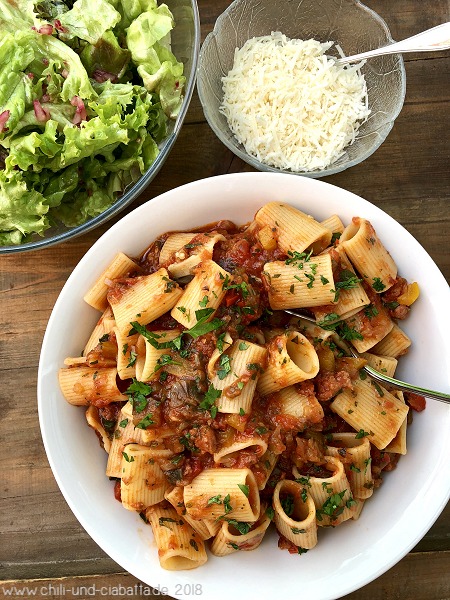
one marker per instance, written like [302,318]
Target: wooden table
[408,177]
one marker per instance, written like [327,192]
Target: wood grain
[408,177]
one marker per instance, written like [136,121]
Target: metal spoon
[436,38]
[376,375]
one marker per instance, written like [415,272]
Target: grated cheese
[291,106]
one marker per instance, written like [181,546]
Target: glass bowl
[185,44]
[348,23]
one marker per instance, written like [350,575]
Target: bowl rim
[137,188]
[109,238]
[254,162]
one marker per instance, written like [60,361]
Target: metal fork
[376,375]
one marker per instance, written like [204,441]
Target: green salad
[87,89]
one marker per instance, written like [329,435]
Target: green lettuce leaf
[84,205]
[34,149]
[131,9]
[148,41]
[89,20]
[106,56]
[21,211]
[15,85]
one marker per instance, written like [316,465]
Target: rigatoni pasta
[219,413]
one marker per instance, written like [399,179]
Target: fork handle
[436,38]
[407,387]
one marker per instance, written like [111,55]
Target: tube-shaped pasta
[332,495]
[354,453]
[126,354]
[227,454]
[143,299]
[302,283]
[173,244]
[295,514]
[142,483]
[179,546]
[148,362]
[295,230]
[175,497]
[304,410]
[124,433]
[398,444]
[186,259]
[333,223]
[350,294]
[85,385]
[227,341]
[367,253]
[383,364]
[105,325]
[395,343]
[205,291]
[93,419]
[120,266]
[371,331]
[220,493]
[291,359]
[237,376]
[371,410]
[240,536]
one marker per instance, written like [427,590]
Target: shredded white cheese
[291,106]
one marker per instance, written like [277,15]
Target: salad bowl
[98,97]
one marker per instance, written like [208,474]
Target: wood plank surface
[416,574]
[408,177]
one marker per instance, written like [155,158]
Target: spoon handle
[436,38]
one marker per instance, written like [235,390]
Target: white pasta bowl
[347,557]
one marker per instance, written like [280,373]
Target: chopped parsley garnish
[349,333]
[261,430]
[123,423]
[324,280]
[151,337]
[391,305]
[347,281]
[104,338]
[133,357]
[215,500]
[242,527]
[298,258]
[163,520]
[329,321]
[233,545]
[241,410]
[355,468]
[296,530]
[332,507]
[287,504]
[270,512]
[371,311]
[209,400]
[311,280]
[361,433]
[304,480]
[241,287]
[194,544]
[245,489]
[378,388]
[129,459]
[227,505]
[220,341]
[202,327]
[243,346]
[137,392]
[204,301]
[145,422]
[367,463]
[164,360]
[378,285]
[224,366]
[336,235]
[301,550]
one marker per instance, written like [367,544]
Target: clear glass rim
[145,179]
[254,162]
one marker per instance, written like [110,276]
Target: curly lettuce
[86,93]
